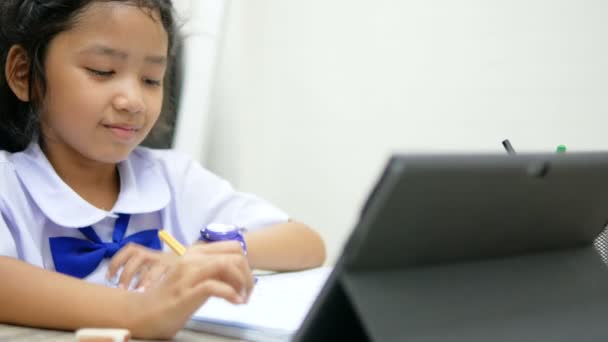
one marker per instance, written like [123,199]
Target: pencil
[177,247]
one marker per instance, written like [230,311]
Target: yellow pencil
[177,247]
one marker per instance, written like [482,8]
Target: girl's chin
[113,156]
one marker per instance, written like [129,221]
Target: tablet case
[473,248]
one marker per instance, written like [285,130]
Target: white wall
[311,96]
[200,23]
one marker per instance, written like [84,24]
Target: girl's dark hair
[32,24]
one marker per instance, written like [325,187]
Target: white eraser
[102,335]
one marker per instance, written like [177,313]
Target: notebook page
[278,301]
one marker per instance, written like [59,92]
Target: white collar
[143,188]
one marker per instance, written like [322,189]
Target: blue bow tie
[78,257]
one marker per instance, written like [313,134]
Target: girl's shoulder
[4,157]
[8,177]
[7,168]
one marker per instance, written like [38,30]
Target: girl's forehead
[107,9]
[120,21]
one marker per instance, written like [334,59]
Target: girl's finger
[133,266]
[228,269]
[151,276]
[142,274]
[119,259]
[214,288]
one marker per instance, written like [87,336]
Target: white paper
[278,301]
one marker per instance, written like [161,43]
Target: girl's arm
[36,297]
[289,246]
[285,247]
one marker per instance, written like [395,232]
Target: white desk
[23,334]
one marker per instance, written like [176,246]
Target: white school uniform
[159,189]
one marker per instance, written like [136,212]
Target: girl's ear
[17,71]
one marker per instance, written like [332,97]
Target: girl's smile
[123,132]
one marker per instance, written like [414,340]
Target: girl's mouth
[123,132]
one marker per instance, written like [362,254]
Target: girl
[81,86]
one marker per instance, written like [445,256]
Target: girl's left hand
[135,260]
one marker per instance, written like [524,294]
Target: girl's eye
[100,73]
[151,82]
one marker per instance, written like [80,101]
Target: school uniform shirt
[160,189]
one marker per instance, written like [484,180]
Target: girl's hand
[148,265]
[161,311]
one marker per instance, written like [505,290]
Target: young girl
[81,86]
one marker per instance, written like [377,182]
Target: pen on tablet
[177,247]
[507,144]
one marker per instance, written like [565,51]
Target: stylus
[507,144]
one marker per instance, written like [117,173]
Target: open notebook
[278,305]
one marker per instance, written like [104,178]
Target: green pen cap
[561,149]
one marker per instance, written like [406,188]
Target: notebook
[276,309]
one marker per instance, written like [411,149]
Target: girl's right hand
[161,311]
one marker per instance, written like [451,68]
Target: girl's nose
[130,100]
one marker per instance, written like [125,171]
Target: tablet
[473,248]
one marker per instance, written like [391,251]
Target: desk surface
[16,333]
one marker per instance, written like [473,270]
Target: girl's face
[104,82]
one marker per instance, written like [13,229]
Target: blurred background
[303,101]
